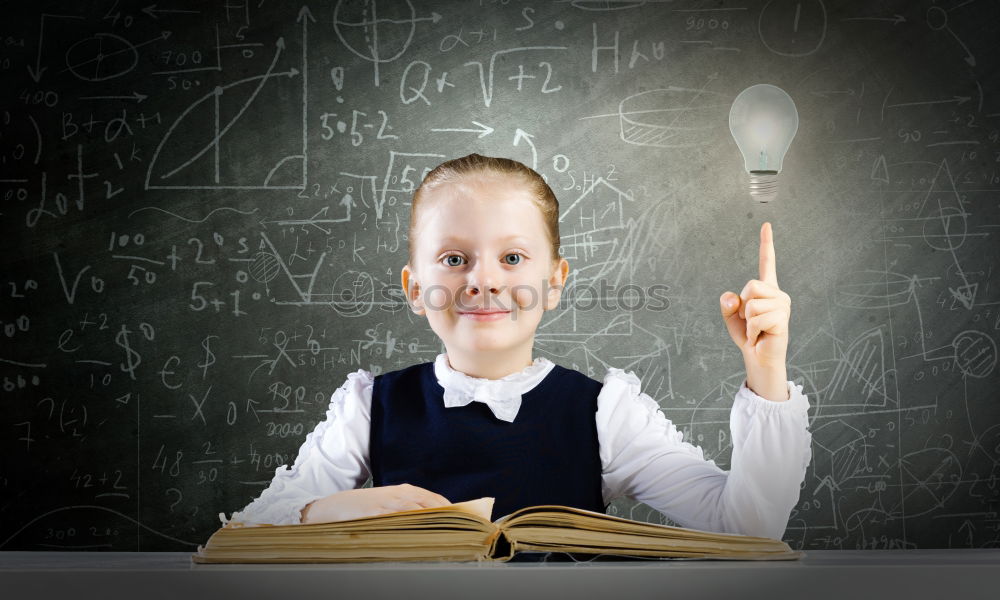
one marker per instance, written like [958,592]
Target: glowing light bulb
[763,121]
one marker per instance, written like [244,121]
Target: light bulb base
[763,185]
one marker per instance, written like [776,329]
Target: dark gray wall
[205,208]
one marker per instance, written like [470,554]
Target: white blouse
[643,455]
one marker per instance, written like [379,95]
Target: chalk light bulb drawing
[763,121]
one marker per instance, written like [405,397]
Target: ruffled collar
[502,395]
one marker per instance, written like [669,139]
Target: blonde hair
[454,170]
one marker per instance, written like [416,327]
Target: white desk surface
[882,574]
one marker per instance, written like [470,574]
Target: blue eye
[517,259]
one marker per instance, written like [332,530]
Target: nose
[482,277]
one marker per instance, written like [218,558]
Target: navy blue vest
[548,455]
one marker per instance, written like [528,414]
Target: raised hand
[757,320]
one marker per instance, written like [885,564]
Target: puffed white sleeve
[333,458]
[644,457]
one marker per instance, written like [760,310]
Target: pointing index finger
[768,270]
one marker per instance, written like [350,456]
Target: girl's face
[481,248]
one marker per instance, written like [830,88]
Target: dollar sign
[209,355]
[132,358]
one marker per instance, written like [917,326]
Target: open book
[463,532]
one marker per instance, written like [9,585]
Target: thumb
[730,304]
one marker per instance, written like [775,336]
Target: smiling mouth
[496,315]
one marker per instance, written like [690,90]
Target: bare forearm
[771,384]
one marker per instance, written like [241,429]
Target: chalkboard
[205,211]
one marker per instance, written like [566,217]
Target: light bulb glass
[763,121]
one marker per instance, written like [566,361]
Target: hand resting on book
[367,502]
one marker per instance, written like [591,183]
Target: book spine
[500,547]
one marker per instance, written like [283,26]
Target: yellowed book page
[613,542]
[655,554]
[480,507]
[452,552]
[578,518]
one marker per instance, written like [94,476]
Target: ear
[412,290]
[556,283]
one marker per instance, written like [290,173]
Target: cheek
[527,297]
[437,298]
